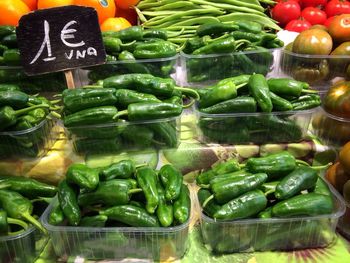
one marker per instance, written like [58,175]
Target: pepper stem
[321,167]
[310,91]
[241,42]
[55,114]
[4,185]
[205,186]
[25,110]
[35,222]
[207,201]
[241,85]
[128,44]
[190,92]
[92,86]
[121,113]
[57,95]
[269,192]
[135,191]
[18,222]
[302,162]
[141,165]
[192,101]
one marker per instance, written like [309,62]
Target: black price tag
[60,39]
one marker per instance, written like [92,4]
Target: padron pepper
[128,34]
[182,206]
[285,87]
[9,87]
[265,214]
[153,50]
[211,206]
[222,178]
[93,221]
[164,211]
[239,104]
[147,180]
[259,89]
[165,132]
[305,102]
[171,179]
[279,103]
[131,64]
[139,136]
[225,45]
[123,169]
[126,97]
[155,33]
[6,221]
[82,176]
[67,197]
[56,215]
[14,98]
[215,29]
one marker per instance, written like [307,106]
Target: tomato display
[339,28]
[314,42]
[337,7]
[344,156]
[314,15]
[284,12]
[115,24]
[314,3]
[337,100]
[297,25]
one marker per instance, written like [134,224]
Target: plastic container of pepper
[117,243]
[320,71]
[160,67]
[248,235]
[31,143]
[207,69]
[127,135]
[259,128]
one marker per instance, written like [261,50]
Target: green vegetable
[239,104]
[211,206]
[56,215]
[285,87]
[82,176]
[6,221]
[215,29]
[164,210]
[126,97]
[147,180]
[153,50]
[226,45]
[279,103]
[125,35]
[182,206]
[93,221]
[122,169]
[171,179]
[306,102]
[15,99]
[259,89]
[67,197]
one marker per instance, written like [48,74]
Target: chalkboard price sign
[60,39]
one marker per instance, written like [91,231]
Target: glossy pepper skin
[56,215]
[164,211]
[259,89]
[274,165]
[28,187]
[239,104]
[126,97]
[165,132]
[267,213]
[157,49]
[245,205]
[205,177]
[138,136]
[226,45]
[68,201]
[237,80]
[307,101]
[285,87]
[215,29]
[322,187]
[125,35]
[79,99]
[19,207]
[227,166]
[211,207]
[279,103]
[220,92]
[12,57]
[147,180]
[222,178]
[249,26]
[132,67]
[82,176]
[15,99]
[171,179]
[310,204]
[155,33]
[182,206]
[131,215]
[93,221]
[122,169]
[9,87]
[302,178]
[96,115]
[226,190]
[6,221]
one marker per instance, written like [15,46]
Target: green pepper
[122,169]
[80,99]
[56,215]
[165,132]
[155,33]
[131,64]
[205,177]
[226,190]
[8,116]
[222,178]
[19,207]
[171,179]
[98,145]
[97,115]
[82,176]
[245,205]
[9,87]
[221,92]
[12,57]
[195,43]
[322,187]
[126,97]
[274,165]
[152,50]
[28,187]
[304,205]
[151,111]
[228,166]
[237,80]
[302,178]
[112,192]
[269,188]
[7,30]
[285,87]
[265,214]
[306,102]
[93,221]
[2,50]
[211,206]
[10,41]
[112,45]
[68,201]
[15,99]
[182,206]
[147,180]
[146,83]
[226,45]
[249,26]
[6,221]
[125,35]
[138,136]
[252,37]
[38,114]
[164,210]
[239,104]
[131,215]
[241,135]
[22,125]
[260,91]
[175,100]
[215,29]
[279,103]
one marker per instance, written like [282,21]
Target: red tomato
[328,21]
[339,28]
[314,15]
[337,7]
[314,3]
[297,25]
[284,12]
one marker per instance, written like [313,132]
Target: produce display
[228,40]
[274,186]
[243,102]
[329,53]
[98,117]
[26,123]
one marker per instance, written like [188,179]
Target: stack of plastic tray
[249,235]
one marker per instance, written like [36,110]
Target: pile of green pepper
[127,47]
[131,97]
[252,94]
[273,186]
[230,41]
[20,114]
[121,194]
[11,74]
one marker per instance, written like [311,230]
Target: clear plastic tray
[250,235]
[244,128]
[199,69]
[161,67]
[152,243]
[115,137]
[344,222]
[320,71]
[48,83]
[31,143]
[330,129]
